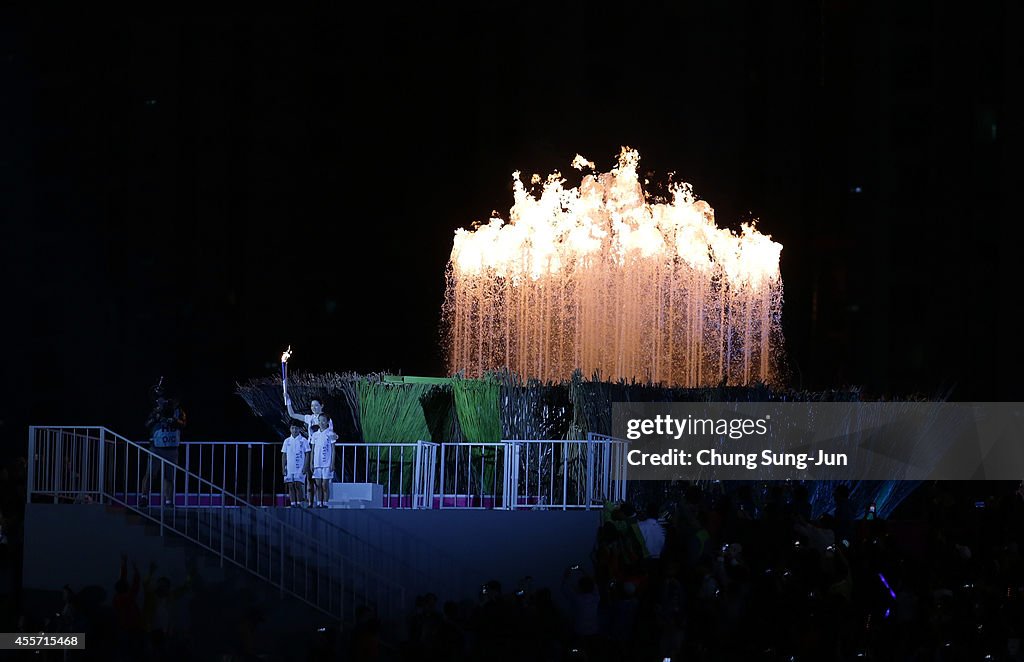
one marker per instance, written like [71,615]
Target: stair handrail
[448,576]
[98,474]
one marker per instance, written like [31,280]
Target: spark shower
[605,279]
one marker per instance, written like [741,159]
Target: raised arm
[291,411]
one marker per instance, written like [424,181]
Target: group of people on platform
[307,456]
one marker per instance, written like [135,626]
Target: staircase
[76,464]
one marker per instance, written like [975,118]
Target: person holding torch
[311,421]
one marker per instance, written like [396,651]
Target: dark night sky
[186,195]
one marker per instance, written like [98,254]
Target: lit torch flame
[287,354]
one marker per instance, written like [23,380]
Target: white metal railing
[511,474]
[405,471]
[76,464]
[253,469]
[611,468]
[568,474]
[532,474]
[479,476]
[247,468]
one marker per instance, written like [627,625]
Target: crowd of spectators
[698,574]
[746,575]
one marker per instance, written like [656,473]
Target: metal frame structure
[505,475]
[93,464]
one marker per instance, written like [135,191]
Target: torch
[287,354]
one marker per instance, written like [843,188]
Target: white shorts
[295,478]
[323,473]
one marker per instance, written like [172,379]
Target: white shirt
[323,441]
[314,419]
[295,449]
[654,536]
